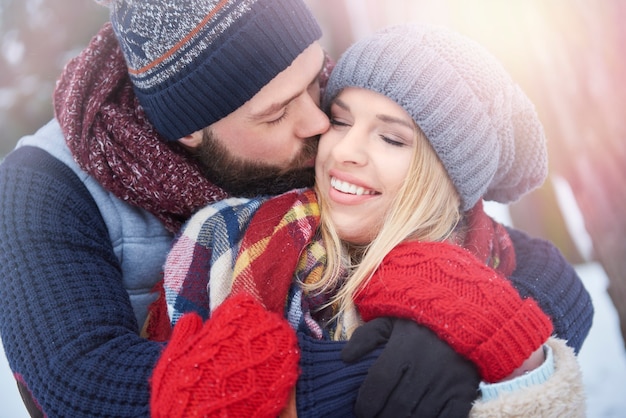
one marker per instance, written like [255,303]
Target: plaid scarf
[247,245]
[239,245]
[111,139]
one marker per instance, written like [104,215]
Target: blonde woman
[424,125]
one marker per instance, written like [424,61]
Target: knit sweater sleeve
[545,275]
[327,386]
[66,321]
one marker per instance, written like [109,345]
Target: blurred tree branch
[37,38]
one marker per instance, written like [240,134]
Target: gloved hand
[416,375]
[242,362]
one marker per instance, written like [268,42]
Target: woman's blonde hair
[425,209]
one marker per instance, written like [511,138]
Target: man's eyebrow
[276,106]
[273,108]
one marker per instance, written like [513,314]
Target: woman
[424,125]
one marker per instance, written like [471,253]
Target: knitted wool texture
[481,125]
[541,274]
[442,286]
[111,139]
[243,362]
[115,382]
[193,62]
[464,302]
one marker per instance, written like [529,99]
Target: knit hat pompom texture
[482,126]
[193,62]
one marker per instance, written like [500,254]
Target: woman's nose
[351,148]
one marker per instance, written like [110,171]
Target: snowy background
[602,358]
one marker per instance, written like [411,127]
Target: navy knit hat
[484,129]
[193,62]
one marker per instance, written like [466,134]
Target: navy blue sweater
[69,331]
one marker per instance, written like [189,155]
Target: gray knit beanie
[192,62]
[482,126]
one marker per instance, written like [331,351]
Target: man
[90,203]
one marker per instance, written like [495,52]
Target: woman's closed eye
[338,122]
[392,141]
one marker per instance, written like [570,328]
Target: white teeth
[350,188]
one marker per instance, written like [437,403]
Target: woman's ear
[192,140]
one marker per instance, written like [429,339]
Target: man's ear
[192,141]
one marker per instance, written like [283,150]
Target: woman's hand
[241,362]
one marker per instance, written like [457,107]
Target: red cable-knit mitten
[466,303]
[243,362]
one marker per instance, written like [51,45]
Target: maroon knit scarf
[111,139]
[489,241]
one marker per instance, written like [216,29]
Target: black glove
[417,374]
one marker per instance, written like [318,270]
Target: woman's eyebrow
[396,120]
[341,104]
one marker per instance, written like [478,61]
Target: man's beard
[250,179]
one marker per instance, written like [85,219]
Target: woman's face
[362,161]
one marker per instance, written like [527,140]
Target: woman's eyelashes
[392,141]
[337,122]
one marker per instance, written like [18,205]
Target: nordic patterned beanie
[193,62]
[484,129]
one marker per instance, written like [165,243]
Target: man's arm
[67,326]
[545,275]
